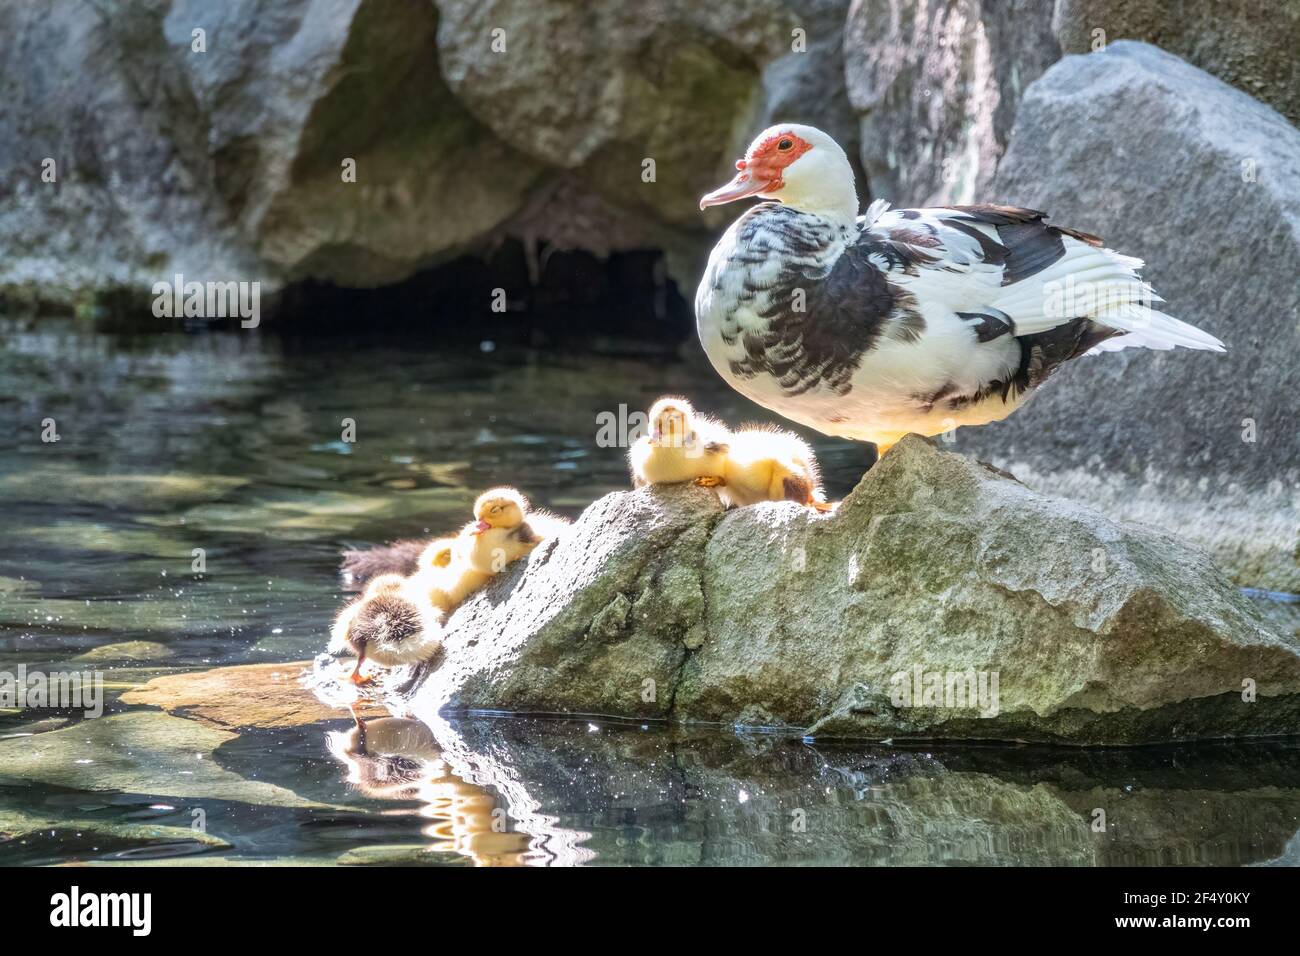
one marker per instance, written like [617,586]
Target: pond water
[191,515]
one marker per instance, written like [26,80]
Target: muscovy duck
[905,320]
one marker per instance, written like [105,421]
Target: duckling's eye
[785,144]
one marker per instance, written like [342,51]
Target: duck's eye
[785,144]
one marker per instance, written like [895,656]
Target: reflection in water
[393,758]
[616,793]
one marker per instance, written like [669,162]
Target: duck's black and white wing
[1011,272]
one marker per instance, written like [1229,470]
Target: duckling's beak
[482,526]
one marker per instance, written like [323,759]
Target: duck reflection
[395,758]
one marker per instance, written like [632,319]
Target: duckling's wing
[526,533]
[435,547]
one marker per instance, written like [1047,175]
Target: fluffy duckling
[505,529]
[392,624]
[764,463]
[683,445]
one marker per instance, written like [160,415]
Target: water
[234,444]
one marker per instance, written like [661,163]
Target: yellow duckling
[764,463]
[399,620]
[683,445]
[392,624]
[505,529]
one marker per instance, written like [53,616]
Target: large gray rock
[935,84]
[226,164]
[1248,44]
[99,92]
[1171,165]
[655,604]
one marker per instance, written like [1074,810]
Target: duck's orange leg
[355,676]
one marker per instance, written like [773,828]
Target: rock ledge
[937,577]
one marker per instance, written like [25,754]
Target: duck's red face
[762,169]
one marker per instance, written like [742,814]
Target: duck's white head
[798,165]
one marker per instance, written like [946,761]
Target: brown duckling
[392,624]
[361,566]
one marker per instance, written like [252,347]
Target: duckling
[683,445]
[392,623]
[505,529]
[765,463]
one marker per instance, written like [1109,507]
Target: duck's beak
[745,184]
[482,526]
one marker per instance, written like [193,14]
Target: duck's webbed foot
[710,481]
[359,679]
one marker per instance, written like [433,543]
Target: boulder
[1249,45]
[942,599]
[935,84]
[226,163]
[600,622]
[99,96]
[1169,164]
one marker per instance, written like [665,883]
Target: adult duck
[905,320]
